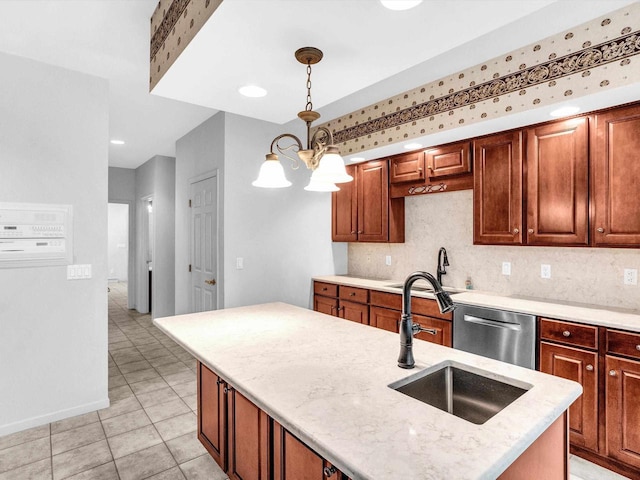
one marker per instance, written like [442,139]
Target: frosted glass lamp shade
[271,174]
[331,168]
[316,184]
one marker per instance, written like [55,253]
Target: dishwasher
[506,336]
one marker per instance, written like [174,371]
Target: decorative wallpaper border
[174,24]
[592,56]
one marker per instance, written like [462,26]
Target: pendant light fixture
[321,155]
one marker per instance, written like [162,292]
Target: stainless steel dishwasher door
[506,336]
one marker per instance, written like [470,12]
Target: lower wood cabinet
[356,312]
[580,366]
[232,429]
[623,410]
[385,319]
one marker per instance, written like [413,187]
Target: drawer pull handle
[566,333]
[329,471]
[613,373]
[590,368]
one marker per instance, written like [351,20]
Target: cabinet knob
[228,389]
[329,471]
[353,232]
[530,230]
[590,368]
[566,333]
[613,373]
[516,231]
[600,230]
[637,347]
[359,231]
[352,294]
[324,289]
[219,381]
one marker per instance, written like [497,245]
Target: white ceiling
[252,41]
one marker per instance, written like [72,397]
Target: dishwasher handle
[493,323]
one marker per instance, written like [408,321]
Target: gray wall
[156,178]
[122,189]
[118,242]
[53,149]
[198,153]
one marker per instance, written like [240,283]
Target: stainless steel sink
[418,288]
[455,389]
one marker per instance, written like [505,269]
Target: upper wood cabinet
[452,159]
[408,167]
[497,189]
[344,203]
[362,210]
[557,165]
[616,177]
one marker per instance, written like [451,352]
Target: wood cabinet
[497,189]
[293,460]
[232,429]
[615,171]
[408,167]
[363,211]
[447,160]
[580,366]
[557,165]
[385,318]
[350,303]
[577,360]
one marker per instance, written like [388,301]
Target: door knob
[210,282]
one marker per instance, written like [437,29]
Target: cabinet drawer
[453,159]
[407,168]
[326,289]
[571,333]
[354,294]
[386,300]
[426,306]
[623,343]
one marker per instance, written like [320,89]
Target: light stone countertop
[583,313]
[326,381]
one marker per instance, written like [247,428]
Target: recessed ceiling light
[117,142]
[412,146]
[565,111]
[357,159]
[252,91]
[400,4]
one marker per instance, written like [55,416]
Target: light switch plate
[506,268]
[545,271]
[239,263]
[387,260]
[630,276]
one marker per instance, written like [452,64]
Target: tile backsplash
[585,275]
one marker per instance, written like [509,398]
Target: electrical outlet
[506,268]
[545,271]
[239,263]
[630,276]
[387,260]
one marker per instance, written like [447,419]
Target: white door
[204,245]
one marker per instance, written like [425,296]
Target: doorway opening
[118,245]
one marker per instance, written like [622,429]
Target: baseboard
[52,417]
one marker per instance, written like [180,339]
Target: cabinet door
[558,183]
[385,319]
[293,460]
[616,178]
[325,305]
[448,160]
[248,439]
[580,366]
[623,410]
[344,210]
[373,201]
[406,168]
[212,414]
[356,312]
[497,189]
[443,335]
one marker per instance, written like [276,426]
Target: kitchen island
[326,382]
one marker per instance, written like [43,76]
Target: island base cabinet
[623,410]
[212,414]
[293,460]
[547,457]
[232,429]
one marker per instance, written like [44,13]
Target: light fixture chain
[309,106]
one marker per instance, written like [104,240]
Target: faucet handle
[417,328]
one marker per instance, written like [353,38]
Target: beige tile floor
[148,432]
